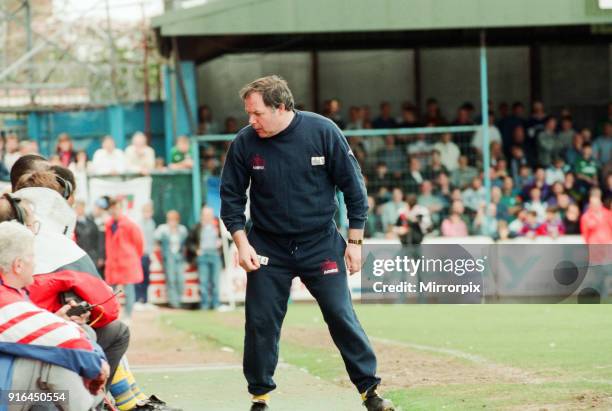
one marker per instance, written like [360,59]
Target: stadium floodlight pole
[484,100]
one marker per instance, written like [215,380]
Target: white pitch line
[462,355]
[161,368]
[455,353]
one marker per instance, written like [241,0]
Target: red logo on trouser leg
[329,267]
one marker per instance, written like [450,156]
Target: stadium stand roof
[233,26]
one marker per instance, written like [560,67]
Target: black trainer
[375,402]
[259,406]
[153,403]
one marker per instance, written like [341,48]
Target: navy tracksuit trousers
[318,259]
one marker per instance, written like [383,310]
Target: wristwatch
[358,242]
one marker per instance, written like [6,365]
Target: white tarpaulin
[134,193]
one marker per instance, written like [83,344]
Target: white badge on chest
[317,161]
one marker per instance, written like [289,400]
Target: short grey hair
[273,89]
[15,241]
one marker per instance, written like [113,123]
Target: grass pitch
[431,357]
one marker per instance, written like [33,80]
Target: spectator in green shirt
[510,200]
[548,143]
[586,169]
[180,156]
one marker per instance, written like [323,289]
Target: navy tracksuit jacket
[293,177]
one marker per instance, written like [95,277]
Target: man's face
[79,209]
[518,110]
[147,211]
[426,187]
[566,125]
[266,121]
[207,215]
[334,106]
[518,135]
[115,210]
[65,144]
[408,116]
[397,195]
[173,219]
[496,194]
[108,145]
[182,145]
[508,183]
[538,107]
[23,267]
[139,140]
[385,110]
[12,144]
[432,109]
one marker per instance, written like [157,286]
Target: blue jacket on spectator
[163,236]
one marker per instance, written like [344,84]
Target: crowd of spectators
[542,166]
[542,170]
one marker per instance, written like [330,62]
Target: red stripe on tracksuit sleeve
[17,319]
[40,332]
[76,344]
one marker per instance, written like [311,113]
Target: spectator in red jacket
[532,228]
[124,249]
[596,228]
[553,225]
[596,222]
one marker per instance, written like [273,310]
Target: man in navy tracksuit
[293,161]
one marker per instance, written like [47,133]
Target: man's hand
[96,386]
[352,257]
[62,312]
[247,258]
